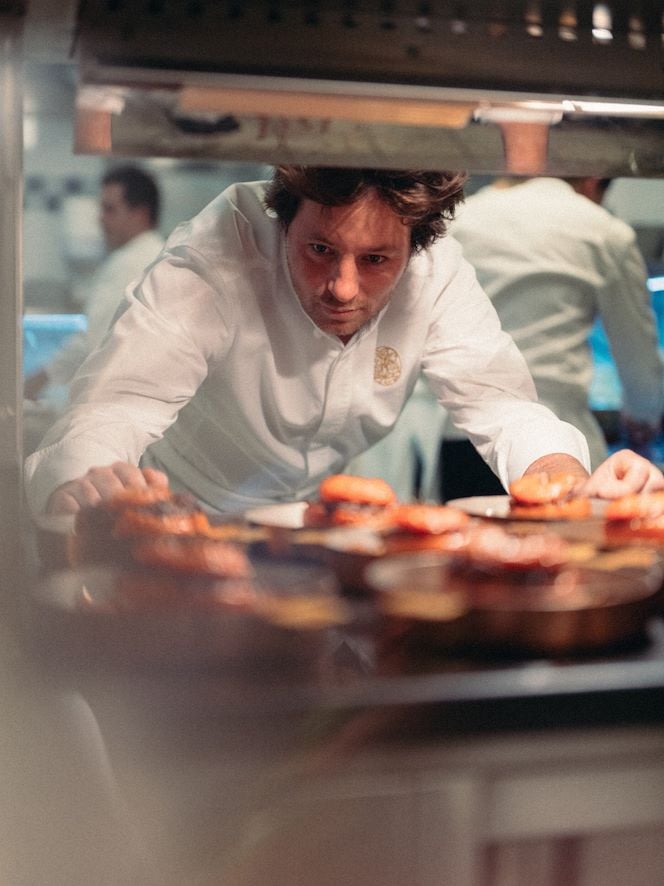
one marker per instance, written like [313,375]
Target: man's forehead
[369,219]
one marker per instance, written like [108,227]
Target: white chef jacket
[242,399]
[551,260]
[117,271]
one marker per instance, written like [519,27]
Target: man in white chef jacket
[279,335]
[129,216]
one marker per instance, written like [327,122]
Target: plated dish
[499,507]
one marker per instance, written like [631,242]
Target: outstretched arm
[558,463]
[622,473]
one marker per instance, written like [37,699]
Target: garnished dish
[504,507]
[406,528]
[418,527]
[543,496]
[107,532]
[175,585]
[178,514]
[344,499]
[177,580]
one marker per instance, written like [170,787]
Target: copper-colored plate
[576,609]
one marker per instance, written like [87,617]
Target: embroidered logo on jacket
[387,366]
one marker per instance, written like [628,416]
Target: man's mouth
[340,310]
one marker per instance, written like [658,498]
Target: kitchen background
[63,244]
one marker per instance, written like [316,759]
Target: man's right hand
[101,484]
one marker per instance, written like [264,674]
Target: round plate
[289,515]
[575,609]
[498,507]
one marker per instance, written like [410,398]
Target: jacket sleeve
[130,390]
[480,377]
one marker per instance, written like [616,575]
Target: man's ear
[142,215]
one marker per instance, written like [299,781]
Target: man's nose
[345,282]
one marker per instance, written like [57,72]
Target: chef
[279,334]
[128,215]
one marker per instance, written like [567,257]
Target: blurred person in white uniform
[129,216]
[552,260]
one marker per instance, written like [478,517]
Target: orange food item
[352,515]
[346,500]
[636,516]
[644,505]
[541,487]
[177,516]
[403,542]
[645,528]
[571,509]
[428,519]
[196,555]
[422,527]
[360,490]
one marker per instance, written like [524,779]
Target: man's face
[120,222]
[345,261]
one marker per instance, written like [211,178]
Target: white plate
[483,505]
[289,515]
[498,507]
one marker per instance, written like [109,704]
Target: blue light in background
[605,389]
[44,334]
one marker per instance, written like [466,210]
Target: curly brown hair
[423,200]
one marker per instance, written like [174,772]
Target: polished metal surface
[208,122]
[383,84]
[515,45]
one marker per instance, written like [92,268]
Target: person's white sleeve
[627,314]
[130,390]
[481,378]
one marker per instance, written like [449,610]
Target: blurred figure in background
[552,260]
[129,215]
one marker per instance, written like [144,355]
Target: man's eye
[319,248]
[375,259]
